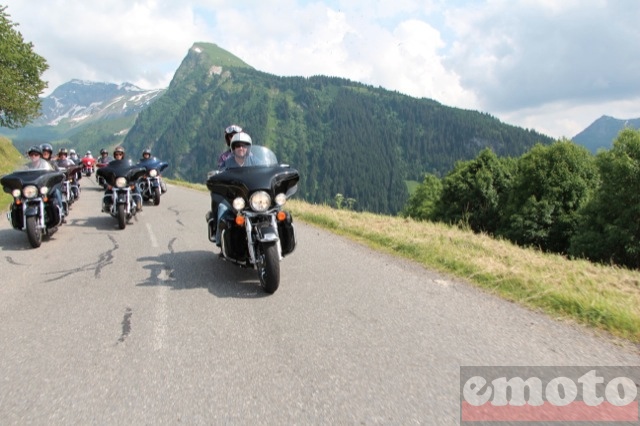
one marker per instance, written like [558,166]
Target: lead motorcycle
[34,209]
[254,230]
[151,185]
[121,199]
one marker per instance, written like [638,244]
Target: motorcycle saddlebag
[234,241]
[17,218]
[287,235]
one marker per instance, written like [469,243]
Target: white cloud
[544,64]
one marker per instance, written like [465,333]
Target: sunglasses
[241,146]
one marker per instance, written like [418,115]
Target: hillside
[601,133]
[345,137]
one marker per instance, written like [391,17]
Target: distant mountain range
[85,114]
[602,132]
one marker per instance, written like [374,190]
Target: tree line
[559,198]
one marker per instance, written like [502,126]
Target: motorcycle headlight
[260,201]
[16,193]
[44,190]
[30,191]
[281,199]
[153,173]
[239,203]
[121,182]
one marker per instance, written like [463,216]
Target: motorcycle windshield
[153,163]
[121,168]
[262,173]
[41,174]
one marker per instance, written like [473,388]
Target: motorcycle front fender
[31,211]
[267,234]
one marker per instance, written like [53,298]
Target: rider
[37,162]
[104,157]
[62,160]
[228,134]
[241,149]
[73,156]
[146,154]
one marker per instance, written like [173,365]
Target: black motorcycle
[151,185]
[254,230]
[121,199]
[34,208]
[70,186]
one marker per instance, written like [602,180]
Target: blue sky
[554,66]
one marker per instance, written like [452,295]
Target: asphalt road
[147,326]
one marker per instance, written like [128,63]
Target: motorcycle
[88,165]
[151,185]
[70,187]
[34,209]
[100,179]
[121,199]
[253,229]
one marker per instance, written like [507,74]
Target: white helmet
[241,137]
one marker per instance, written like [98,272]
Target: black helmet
[46,147]
[146,151]
[63,151]
[230,131]
[103,151]
[35,149]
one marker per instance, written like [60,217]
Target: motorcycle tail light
[240,220]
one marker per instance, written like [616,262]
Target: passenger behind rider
[228,134]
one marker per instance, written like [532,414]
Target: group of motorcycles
[253,232]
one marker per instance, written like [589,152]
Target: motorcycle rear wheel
[269,272]
[34,234]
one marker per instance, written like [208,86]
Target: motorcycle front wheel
[269,271]
[122,216]
[34,234]
[156,196]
